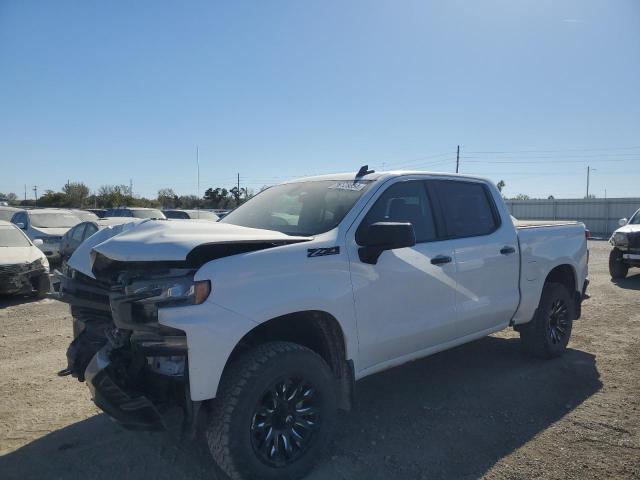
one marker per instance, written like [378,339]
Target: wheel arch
[315,329]
[564,274]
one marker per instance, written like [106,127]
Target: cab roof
[374,176]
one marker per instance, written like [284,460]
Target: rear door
[485,251]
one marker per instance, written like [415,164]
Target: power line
[538,162]
[556,151]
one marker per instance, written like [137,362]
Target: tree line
[78,195]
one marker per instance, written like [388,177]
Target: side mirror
[38,242]
[383,236]
[622,222]
[20,225]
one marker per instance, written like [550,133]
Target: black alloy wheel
[285,421]
[558,321]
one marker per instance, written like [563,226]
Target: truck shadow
[452,415]
[632,282]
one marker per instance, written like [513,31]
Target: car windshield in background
[86,216]
[6,214]
[53,220]
[12,237]
[147,214]
[204,215]
[635,220]
[301,208]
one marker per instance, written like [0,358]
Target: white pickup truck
[626,247]
[259,325]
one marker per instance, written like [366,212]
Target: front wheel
[547,335]
[274,413]
[617,268]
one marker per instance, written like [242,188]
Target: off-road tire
[617,268]
[536,336]
[243,387]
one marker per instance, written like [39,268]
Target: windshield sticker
[353,186]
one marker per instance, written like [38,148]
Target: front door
[406,301]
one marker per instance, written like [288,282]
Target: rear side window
[402,202]
[76,233]
[467,208]
[89,230]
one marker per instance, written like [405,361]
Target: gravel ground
[483,410]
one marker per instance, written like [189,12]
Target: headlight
[44,263]
[620,239]
[182,291]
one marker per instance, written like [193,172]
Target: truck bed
[542,223]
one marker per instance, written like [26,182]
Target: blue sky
[533,91]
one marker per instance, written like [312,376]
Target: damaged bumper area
[23,278]
[134,367]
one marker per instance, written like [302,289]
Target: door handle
[507,250]
[440,259]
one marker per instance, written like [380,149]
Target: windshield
[53,220]
[303,208]
[12,237]
[635,220]
[151,213]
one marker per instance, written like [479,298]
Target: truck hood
[164,241]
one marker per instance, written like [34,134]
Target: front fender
[212,334]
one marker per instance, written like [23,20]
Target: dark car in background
[78,234]
[178,214]
[99,212]
[135,212]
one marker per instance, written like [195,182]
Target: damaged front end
[135,368]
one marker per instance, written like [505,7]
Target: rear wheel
[547,335]
[617,268]
[274,413]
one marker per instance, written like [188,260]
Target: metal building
[600,215]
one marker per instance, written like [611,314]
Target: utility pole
[238,191]
[131,187]
[458,159]
[198,165]
[35,192]
[25,192]
[588,172]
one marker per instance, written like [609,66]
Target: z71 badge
[321,252]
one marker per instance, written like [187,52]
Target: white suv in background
[626,247]
[48,226]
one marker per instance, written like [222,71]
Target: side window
[89,230]
[466,207]
[20,217]
[402,202]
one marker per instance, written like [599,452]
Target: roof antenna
[364,170]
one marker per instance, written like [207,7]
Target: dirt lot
[480,410]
